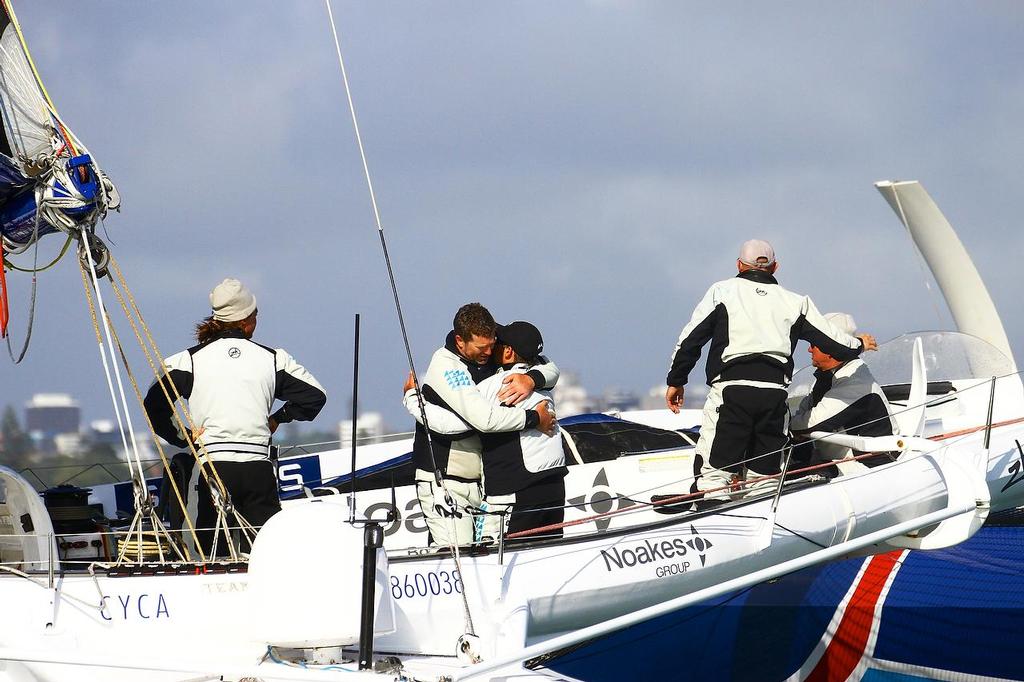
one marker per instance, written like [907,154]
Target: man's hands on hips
[674,398]
[515,390]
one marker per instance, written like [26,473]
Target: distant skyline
[589,166]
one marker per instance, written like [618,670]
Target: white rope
[104,350]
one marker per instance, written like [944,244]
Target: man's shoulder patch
[457,378]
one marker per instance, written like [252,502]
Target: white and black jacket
[753,325]
[231,384]
[846,399]
[511,460]
[450,382]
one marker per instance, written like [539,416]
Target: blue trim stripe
[366,471]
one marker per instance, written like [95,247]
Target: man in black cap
[450,385]
[523,471]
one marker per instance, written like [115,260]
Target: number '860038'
[422,584]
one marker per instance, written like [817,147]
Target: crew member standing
[231,383]
[753,325]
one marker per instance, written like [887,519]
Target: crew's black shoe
[672,507]
[708,505]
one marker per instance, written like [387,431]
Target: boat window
[901,392]
[611,439]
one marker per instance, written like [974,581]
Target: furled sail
[48,180]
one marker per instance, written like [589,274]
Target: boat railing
[298,449]
[148,549]
[86,474]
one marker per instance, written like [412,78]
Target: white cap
[755,249]
[842,322]
[231,301]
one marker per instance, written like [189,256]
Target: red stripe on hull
[847,646]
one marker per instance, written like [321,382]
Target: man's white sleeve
[826,337]
[440,419]
[455,387]
[799,420]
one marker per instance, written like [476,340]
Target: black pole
[355,415]
[373,539]
[988,420]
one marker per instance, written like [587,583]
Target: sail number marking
[421,584]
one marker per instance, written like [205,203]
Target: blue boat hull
[942,614]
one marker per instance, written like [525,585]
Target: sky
[589,166]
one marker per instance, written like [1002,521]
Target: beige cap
[842,322]
[755,249]
[231,301]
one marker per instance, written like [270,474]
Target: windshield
[948,356]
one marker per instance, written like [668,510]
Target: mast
[962,287]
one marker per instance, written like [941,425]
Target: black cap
[523,337]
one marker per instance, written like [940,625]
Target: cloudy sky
[589,166]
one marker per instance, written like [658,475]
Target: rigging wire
[63,250]
[398,305]
[32,296]
[383,243]
[109,349]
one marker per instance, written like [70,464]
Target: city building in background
[369,429]
[570,396]
[49,415]
[104,432]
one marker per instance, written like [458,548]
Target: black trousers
[253,490]
[751,423]
[540,504]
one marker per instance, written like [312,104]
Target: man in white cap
[231,383]
[845,398]
[753,325]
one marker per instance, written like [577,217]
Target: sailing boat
[293,610]
[517,600]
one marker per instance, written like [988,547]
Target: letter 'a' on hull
[965,293]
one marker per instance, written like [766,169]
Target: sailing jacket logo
[457,378]
[234,352]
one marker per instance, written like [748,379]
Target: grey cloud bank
[591,167]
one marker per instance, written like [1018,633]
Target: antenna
[438,476]
[355,417]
